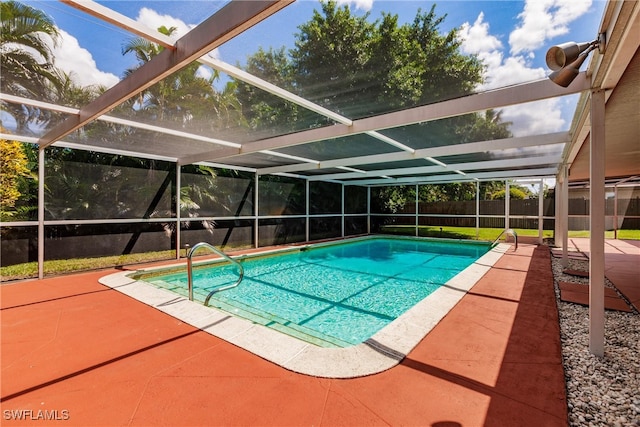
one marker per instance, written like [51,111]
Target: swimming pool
[334,295]
[385,349]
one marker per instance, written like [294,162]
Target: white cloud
[535,117]
[544,116]
[78,62]
[511,71]
[476,38]
[365,5]
[153,20]
[204,72]
[542,20]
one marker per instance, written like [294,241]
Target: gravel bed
[600,391]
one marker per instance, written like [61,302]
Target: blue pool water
[335,295]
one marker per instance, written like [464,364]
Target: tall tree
[186,99]
[332,59]
[26,59]
[71,94]
[360,68]
[164,100]
[267,114]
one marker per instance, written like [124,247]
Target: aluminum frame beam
[101,12]
[231,20]
[470,166]
[512,95]
[121,21]
[119,152]
[454,177]
[446,150]
[117,120]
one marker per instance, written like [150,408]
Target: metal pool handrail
[507,231]
[192,251]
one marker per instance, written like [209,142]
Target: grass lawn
[459,232]
[491,233]
[56,267]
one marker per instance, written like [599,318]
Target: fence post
[477,210]
[178,227]
[417,220]
[507,202]
[368,210]
[256,209]
[41,237]
[541,211]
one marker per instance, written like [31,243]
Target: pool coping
[382,351]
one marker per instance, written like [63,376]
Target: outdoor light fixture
[566,59]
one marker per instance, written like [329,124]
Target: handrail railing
[507,231]
[192,251]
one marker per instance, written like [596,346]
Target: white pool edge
[382,351]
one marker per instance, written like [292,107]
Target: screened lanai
[307,152]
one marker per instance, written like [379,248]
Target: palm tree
[145,51]
[71,94]
[170,98]
[27,59]
[184,99]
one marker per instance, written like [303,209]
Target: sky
[511,37]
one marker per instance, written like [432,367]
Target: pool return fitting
[190,254]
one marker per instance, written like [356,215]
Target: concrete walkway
[622,265]
[85,355]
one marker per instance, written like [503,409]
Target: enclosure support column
[557,232]
[256,210]
[477,209]
[564,220]
[178,227]
[561,214]
[417,220]
[507,202]
[368,210]
[306,211]
[41,213]
[540,211]
[615,211]
[342,210]
[596,219]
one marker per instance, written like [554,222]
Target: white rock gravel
[600,391]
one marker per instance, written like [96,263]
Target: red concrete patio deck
[75,350]
[622,265]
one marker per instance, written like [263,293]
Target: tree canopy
[359,68]
[26,58]
[348,63]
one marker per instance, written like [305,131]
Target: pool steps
[192,251]
[260,317]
